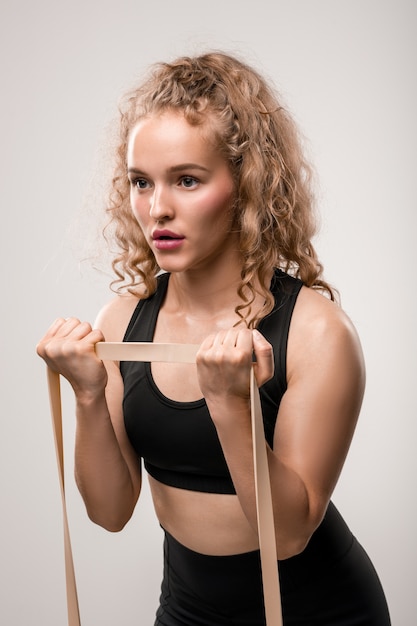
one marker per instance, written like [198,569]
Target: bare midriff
[207,523]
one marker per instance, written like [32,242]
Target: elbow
[113,517]
[109,511]
[113,528]
[111,523]
[291,546]
[298,535]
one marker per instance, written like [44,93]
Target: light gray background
[347,71]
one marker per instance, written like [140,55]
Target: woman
[211,187]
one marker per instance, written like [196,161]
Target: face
[181,193]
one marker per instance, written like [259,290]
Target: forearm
[102,473]
[293,521]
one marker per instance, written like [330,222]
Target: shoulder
[114,317]
[322,334]
[316,312]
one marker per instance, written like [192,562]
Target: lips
[166,239]
[165,234]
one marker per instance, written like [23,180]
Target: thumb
[264,366]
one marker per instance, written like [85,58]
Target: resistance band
[179,353]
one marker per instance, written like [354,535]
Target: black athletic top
[178,440]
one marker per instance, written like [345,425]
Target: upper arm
[112,320]
[325,386]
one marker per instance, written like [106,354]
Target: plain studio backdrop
[347,71]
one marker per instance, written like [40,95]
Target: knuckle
[265,349]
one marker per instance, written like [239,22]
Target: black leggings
[317,589]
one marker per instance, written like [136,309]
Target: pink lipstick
[166,239]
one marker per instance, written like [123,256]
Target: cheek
[217,205]
[137,208]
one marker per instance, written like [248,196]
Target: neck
[199,295]
[204,295]
[209,289]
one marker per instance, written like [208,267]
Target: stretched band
[180,353]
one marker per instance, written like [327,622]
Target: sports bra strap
[185,353]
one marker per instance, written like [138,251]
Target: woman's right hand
[68,348]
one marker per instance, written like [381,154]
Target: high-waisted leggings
[332,583]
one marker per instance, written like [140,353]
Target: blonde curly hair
[274,200]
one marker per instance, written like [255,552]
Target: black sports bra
[178,440]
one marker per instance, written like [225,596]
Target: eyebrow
[187,166]
[174,168]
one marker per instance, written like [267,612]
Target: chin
[169,265]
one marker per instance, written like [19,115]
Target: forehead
[170,135]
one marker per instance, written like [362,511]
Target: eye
[140,183]
[188,182]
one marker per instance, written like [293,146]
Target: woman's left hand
[224,361]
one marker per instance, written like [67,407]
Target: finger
[215,343]
[63,333]
[76,330]
[264,366]
[91,338]
[54,327]
[207,343]
[70,323]
[244,340]
[61,327]
[50,334]
[220,338]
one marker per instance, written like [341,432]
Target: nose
[161,206]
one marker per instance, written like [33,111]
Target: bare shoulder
[114,317]
[316,312]
[321,331]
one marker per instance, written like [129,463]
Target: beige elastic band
[183,353]
[56,412]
